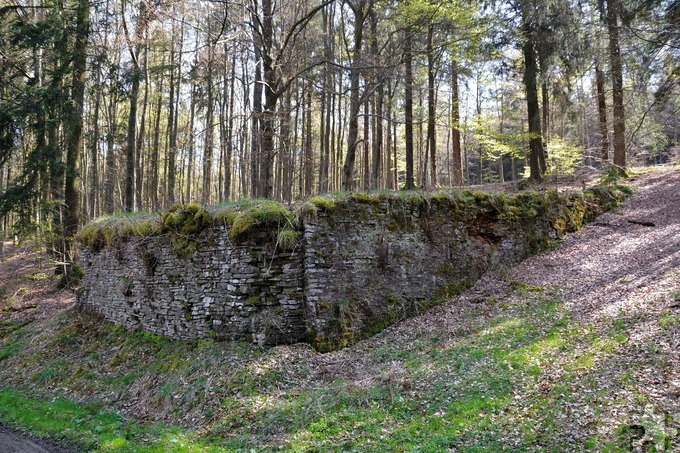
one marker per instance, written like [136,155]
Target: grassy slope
[516,375]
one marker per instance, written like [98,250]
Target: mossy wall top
[335,270]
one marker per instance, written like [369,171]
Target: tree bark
[456,150]
[408,110]
[602,115]
[74,138]
[431,107]
[209,137]
[533,110]
[617,86]
[354,99]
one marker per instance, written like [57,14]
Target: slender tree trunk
[230,131]
[389,180]
[130,154]
[365,140]
[155,150]
[377,136]
[74,137]
[602,115]
[255,145]
[617,85]
[394,147]
[209,137]
[189,180]
[326,102]
[172,135]
[431,107]
[139,158]
[94,150]
[308,155]
[271,94]
[456,151]
[408,110]
[533,110]
[355,101]
[111,169]
[286,149]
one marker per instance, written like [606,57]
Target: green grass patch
[91,428]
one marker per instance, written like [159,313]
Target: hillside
[572,350]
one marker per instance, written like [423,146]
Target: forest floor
[575,349]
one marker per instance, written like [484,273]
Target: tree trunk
[617,86]
[326,103]
[139,160]
[74,138]
[307,147]
[366,138]
[431,107]
[286,149]
[189,179]
[602,115]
[456,150]
[255,145]
[230,131]
[172,131]
[408,110]
[533,110]
[94,151]
[209,137]
[130,155]
[377,137]
[354,99]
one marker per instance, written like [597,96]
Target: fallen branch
[641,222]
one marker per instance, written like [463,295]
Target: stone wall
[359,263]
[246,291]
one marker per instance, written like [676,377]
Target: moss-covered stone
[259,213]
[287,239]
[323,202]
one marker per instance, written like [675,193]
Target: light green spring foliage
[494,144]
[562,158]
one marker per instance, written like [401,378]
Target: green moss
[226,216]
[287,239]
[325,203]
[364,198]
[254,300]
[452,289]
[523,288]
[259,213]
[102,232]
[306,209]
[183,223]
[186,219]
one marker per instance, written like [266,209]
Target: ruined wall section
[251,290]
[371,262]
[345,269]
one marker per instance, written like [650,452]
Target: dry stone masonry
[349,266]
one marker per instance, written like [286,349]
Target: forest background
[109,106]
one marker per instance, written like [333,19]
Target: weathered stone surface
[215,292]
[356,268]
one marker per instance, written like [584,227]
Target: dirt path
[12,441]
